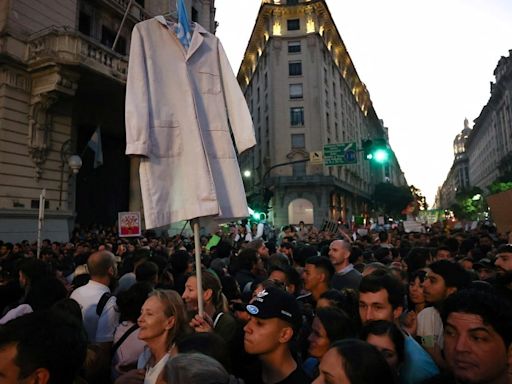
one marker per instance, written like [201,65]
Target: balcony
[68,47]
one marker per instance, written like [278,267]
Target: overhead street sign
[316,157]
[340,154]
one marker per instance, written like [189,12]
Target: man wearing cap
[486,269]
[274,322]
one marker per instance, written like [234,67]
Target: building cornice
[270,24]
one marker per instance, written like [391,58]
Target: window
[107,38]
[295,91]
[292,2]
[297,116]
[293,24]
[294,47]
[298,141]
[299,169]
[295,68]
[84,23]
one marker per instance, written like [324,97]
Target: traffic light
[380,151]
[376,150]
[367,148]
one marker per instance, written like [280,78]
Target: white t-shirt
[99,329]
[430,328]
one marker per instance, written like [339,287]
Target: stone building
[458,176]
[304,92]
[489,146]
[59,80]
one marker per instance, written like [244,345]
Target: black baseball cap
[484,263]
[274,302]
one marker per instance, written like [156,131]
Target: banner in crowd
[129,224]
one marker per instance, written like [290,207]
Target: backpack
[103,301]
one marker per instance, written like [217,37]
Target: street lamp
[73,161]
[247,173]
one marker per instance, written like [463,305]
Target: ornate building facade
[458,176]
[303,91]
[59,80]
[489,146]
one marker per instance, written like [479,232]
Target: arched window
[300,210]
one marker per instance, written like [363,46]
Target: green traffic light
[380,155]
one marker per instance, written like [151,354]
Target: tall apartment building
[458,176]
[303,91]
[490,144]
[59,80]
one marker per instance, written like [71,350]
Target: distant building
[489,146]
[458,176]
[60,79]
[303,91]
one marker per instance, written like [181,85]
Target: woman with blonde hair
[162,321]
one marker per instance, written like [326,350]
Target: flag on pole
[183,27]
[95,144]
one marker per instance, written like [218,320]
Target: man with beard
[100,327]
[100,317]
[346,276]
[504,258]
[503,265]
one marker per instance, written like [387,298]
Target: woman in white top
[162,320]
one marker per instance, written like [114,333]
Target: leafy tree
[391,199]
[421,200]
[498,186]
[467,207]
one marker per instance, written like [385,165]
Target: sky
[427,65]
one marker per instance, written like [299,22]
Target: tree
[498,186]
[421,200]
[391,199]
[469,203]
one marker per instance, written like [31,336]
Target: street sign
[316,157]
[340,154]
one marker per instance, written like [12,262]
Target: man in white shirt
[103,271]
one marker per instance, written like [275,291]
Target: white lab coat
[178,105]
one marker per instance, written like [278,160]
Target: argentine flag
[95,144]
[183,27]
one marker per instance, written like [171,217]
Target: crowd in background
[295,305]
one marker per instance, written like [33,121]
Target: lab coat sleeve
[238,113]
[137,99]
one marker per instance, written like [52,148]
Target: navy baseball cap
[274,302]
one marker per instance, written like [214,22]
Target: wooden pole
[199,275]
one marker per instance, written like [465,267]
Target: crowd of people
[298,306]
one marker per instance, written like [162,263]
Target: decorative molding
[39,128]
[300,152]
[15,79]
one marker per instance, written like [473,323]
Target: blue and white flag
[95,144]
[183,27]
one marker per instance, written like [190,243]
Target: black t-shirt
[296,377]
